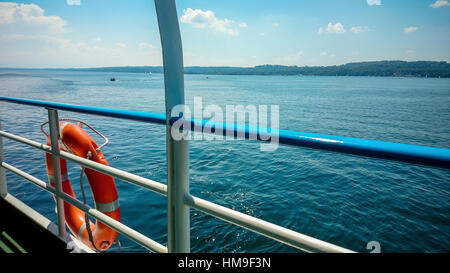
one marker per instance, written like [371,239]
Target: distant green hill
[378,68]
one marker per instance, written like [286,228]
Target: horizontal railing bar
[417,154]
[118,226]
[125,176]
[45,223]
[29,177]
[377,149]
[275,232]
[423,155]
[262,227]
[99,111]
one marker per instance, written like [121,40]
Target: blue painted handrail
[99,111]
[372,148]
[424,155]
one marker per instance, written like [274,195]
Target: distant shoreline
[420,69]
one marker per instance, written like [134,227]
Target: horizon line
[95,67]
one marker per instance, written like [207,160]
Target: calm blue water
[342,199]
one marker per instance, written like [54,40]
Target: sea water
[342,199]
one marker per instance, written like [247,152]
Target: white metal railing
[262,227]
[121,228]
[177,190]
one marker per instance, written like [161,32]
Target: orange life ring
[103,187]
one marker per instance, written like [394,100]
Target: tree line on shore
[377,68]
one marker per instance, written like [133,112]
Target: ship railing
[394,151]
[262,227]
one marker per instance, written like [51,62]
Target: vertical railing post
[178,222]
[53,123]
[3,185]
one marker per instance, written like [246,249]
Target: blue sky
[93,33]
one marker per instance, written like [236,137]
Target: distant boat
[113,79]
[149,73]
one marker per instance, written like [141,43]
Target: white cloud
[196,59]
[359,29]
[323,53]
[410,52]
[48,51]
[7,11]
[73,2]
[440,3]
[16,37]
[146,45]
[291,59]
[336,28]
[410,29]
[374,2]
[207,19]
[28,19]
[31,38]
[243,25]
[299,54]
[276,24]
[149,49]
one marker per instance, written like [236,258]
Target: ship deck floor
[20,234]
